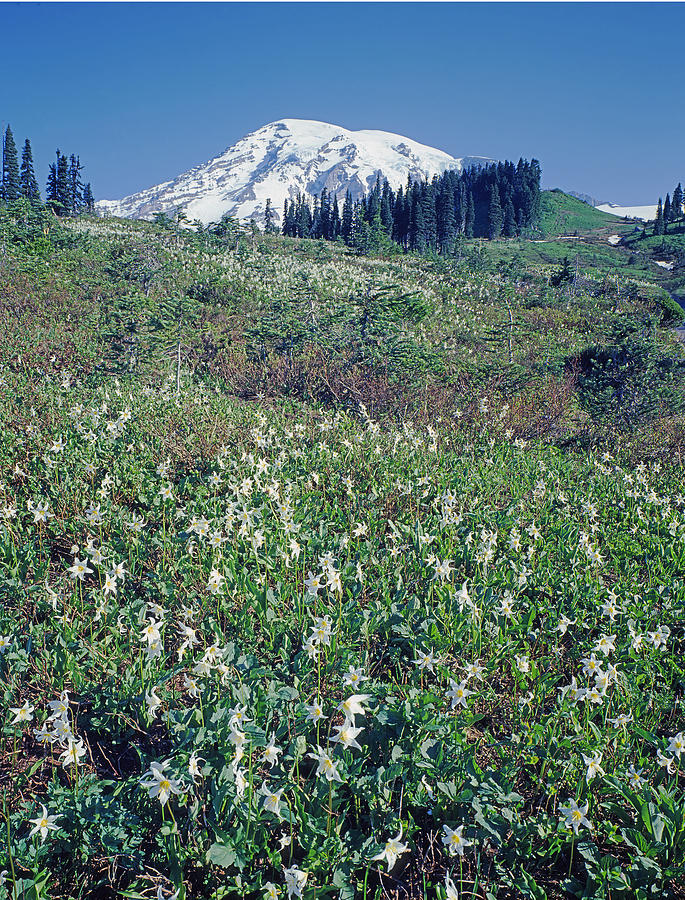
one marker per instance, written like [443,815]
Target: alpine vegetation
[328,575]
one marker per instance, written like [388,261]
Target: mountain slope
[562,214]
[281,159]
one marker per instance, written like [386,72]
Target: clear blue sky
[145,91]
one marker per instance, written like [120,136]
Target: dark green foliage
[564,274]
[426,216]
[66,194]
[268,217]
[659,226]
[495,214]
[88,199]
[51,188]
[10,168]
[677,203]
[27,176]
[65,190]
[672,313]
[28,225]
[509,219]
[470,217]
[58,186]
[74,185]
[629,382]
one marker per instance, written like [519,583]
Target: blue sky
[145,91]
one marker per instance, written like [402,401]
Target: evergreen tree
[677,203]
[88,199]
[659,221]
[534,175]
[315,225]
[460,212]
[58,193]
[27,177]
[447,223]
[10,168]
[667,212]
[430,217]
[347,218]
[287,227]
[268,216]
[470,218]
[360,237]
[52,198]
[417,225]
[386,209]
[509,219]
[335,219]
[373,202]
[304,217]
[74,185]
[484,201]
[324,229]
[400,227]
[495,214]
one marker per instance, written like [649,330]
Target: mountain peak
[284,158]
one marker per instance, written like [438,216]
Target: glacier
[282,159]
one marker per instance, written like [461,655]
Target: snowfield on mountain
[285,158]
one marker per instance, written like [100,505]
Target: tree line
[66,194]
[668,211]
[497,200]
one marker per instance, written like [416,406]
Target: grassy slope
[502,765]
[566,215]
[666,248]
[571,228]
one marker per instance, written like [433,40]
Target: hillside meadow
[329,576]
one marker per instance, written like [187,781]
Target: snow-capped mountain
[282,159]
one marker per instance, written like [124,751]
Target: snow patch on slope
[646,213]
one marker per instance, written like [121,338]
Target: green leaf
[221,855]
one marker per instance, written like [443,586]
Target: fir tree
[509,219]
[335,219]
[268,215]
[347,218]
[63,183]
[659,221]
[374,201]
[447,223]
[495,214]
[400,227]
[10,168]
[52,197]
[667,212]
[417,225]
[27,177]
[88,199]
[430,218]
[287,222]
[304,217]
[677,203]
[386,208]
[470,219]
[74,185]
[360,232]
[324,224]
[58,186]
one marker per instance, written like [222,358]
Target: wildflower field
[255,644]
